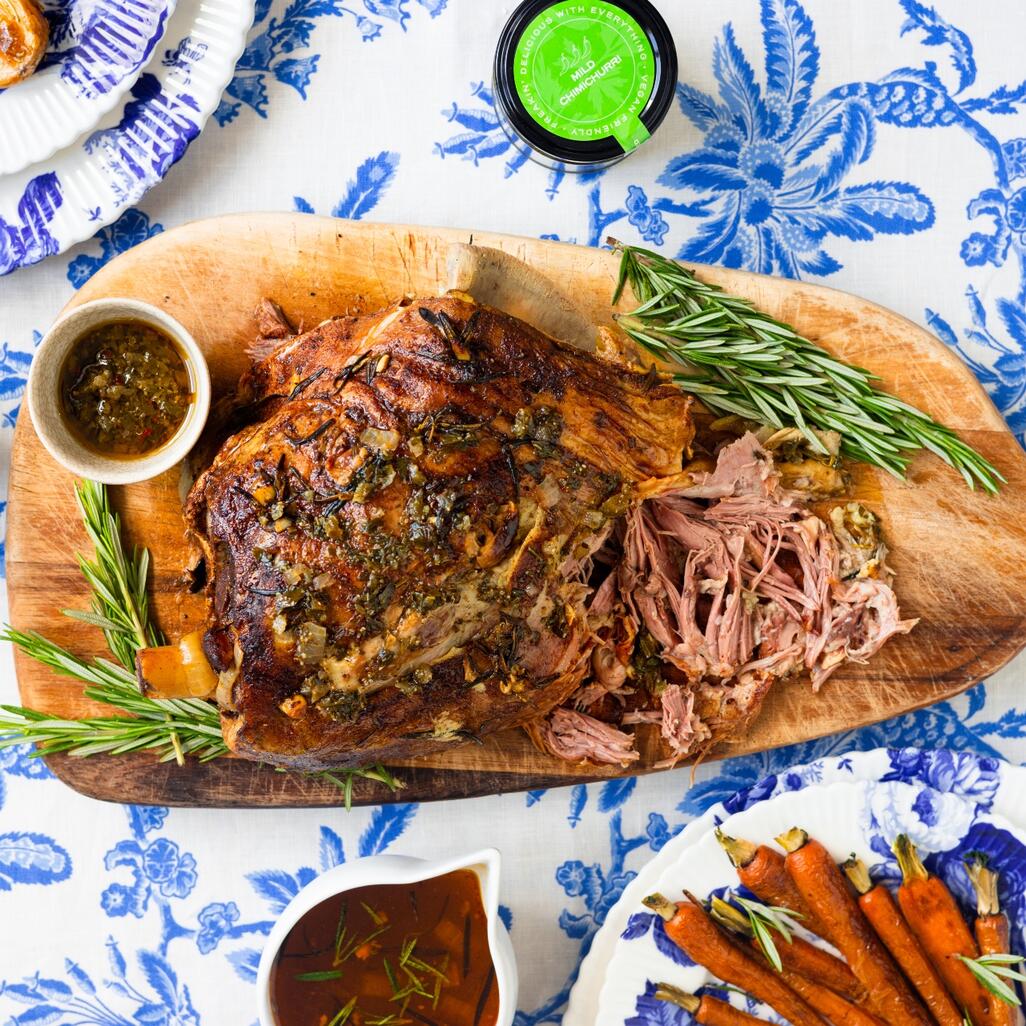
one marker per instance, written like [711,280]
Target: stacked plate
[951,804]
[123,89]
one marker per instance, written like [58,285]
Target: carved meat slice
[398,543]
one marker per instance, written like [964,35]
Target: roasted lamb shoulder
[399,541]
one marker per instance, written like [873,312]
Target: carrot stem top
[855,870]
[985,882]
[911,865]
[793,839]
[738,851]
[732,918]
[676,996]
[660,905]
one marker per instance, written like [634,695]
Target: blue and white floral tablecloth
[879,146]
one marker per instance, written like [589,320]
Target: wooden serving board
[960,556]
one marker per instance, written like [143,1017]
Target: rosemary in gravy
[390,955]
[125,389]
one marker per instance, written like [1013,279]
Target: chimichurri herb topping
[125,388]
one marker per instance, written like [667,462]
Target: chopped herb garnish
[340,931]
[485,991]
[300,386]
[343,1014]
[316,433]
[398,948]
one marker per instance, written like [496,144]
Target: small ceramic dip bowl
[45,401]
[395,870]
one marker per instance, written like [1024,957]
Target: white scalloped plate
[97,50]
[59,201]
[981,780]
[862,817]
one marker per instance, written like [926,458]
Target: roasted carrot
[991,928]
[837,1009]
[937,922]
[992,933]
[798,955]
[689,926]
[705,1009]
[885,917]
[826,892]
[762,871]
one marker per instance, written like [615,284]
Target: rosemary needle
[741,361]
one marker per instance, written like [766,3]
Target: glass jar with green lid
[582,84]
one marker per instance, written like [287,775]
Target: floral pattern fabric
[877,147]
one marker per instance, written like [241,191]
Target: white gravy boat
[399,869]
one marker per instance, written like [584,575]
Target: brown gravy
[390,955]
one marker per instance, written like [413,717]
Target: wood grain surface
[960,556]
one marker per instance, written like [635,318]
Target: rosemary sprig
[141,723]
[120,605]
[764,919]
[117,579]
[992,970]
[741,361]
[344,779]
[187,726]
[174,728]
[757,921]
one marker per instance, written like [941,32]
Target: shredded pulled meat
[679,725]
[577,737]
[737,585]
[614,630]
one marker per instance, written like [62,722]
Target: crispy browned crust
[507,541]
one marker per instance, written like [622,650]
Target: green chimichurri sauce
[125,389]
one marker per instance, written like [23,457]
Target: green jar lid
[584,83]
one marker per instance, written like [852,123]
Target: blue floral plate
[863,818]
[944,799]
[97,49]
[63,199]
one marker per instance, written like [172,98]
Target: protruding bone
[498,279]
